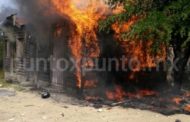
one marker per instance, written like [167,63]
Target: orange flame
[187,108]
[177,100]
[137,49]
[118,9]
[58,31]
[123,27]
[119,94]
[90,84]
[85,15]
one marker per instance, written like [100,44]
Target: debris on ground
[45,95]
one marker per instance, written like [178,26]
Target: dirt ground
[29,107]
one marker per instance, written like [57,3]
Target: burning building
[76,58]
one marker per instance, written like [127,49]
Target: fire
[187,94]
[58,31]
[187,108]
[118,9]
[137,50]
[85,18]
[177,100]
[123,27]
[147,93]
[119,94]
[139,54]
[142,93]
[90,84]
[85,15]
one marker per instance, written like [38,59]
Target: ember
[187,108]
[177,100]
[119,94]
[90,84]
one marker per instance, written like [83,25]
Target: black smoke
[39,16]
[5,12]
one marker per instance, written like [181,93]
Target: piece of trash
[45,95]
[1,85]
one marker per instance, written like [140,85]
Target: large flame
[85,14]
[137,49]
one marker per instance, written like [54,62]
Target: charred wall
[20,48]
[62,78]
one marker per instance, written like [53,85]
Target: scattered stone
[65,107]
[62,114]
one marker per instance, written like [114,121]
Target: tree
[165,21]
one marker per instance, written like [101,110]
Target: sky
[10,9]
[7,3]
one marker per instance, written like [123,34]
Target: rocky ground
[26,106]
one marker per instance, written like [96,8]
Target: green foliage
[161,20]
